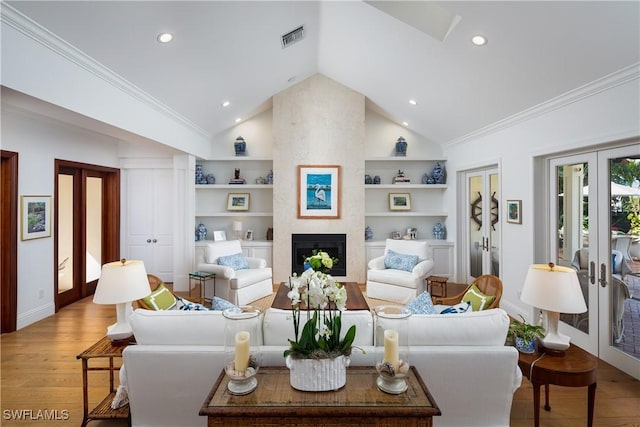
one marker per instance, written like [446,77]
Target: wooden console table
[358,403]
[577,368]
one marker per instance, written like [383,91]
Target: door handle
[155,240]
[148,240]
[592,272]
[603,275]
[485,244]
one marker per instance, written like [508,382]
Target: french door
[86,229]
[591,195]
[483,226]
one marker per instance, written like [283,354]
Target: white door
[150,219]
[591,198]
[483,225]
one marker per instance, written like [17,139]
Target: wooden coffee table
[358,403]
[355,299]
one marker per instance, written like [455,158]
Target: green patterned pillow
[160,299]
[478,300]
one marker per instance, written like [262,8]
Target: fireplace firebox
[335,245]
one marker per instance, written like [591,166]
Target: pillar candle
[241,360]
[391,348]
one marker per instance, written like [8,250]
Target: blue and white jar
[368,233]
[439,231]
[240,146]
[439,174]
[401,147]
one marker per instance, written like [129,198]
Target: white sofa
[462,358]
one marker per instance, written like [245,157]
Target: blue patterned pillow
[398,261]
[422,304]
[236,261]
[223,304]
[186,305]
[458,308]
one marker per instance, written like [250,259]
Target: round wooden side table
[576,368]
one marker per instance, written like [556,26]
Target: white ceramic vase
[318,374]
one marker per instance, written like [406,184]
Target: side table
[576,368]
[201,277]
[104,348]
[440,282]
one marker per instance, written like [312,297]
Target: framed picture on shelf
[514,211]
[400,201]
[36,217]
[319,191]
[248,235]
[238,202]
[219,235]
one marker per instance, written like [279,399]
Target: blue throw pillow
[236,261]
[398,261]
[186,305]
[223,304]
[458,308]
[422,304]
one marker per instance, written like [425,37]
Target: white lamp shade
[237,225]
[122,281]
[554,289]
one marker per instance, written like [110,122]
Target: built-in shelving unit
[426,199]
[211,199]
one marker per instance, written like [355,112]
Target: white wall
[38,142]
[601,117]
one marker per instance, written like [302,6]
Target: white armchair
[240,286]
[397,285]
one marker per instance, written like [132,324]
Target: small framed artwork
[400,201]
[319,191]
[36,217]
[219,235]
[238,202]
[248,235]
[514,211]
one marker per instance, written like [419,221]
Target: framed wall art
[319,191]
[238,202]
[36,217]
[514,211]
[400,201]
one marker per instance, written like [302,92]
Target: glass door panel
[94,229]
[65,233]
[483,237]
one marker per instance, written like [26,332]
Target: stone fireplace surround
[335,245]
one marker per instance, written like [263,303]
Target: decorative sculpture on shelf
[439,174]
[201,233]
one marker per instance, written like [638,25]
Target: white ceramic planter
[318,374]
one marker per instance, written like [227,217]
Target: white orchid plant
[325,299]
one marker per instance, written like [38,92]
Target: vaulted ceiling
[390,52]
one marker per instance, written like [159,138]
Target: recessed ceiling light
[238,120]
[165,37]
[479,40]
[226,103]
[405,124]
[413,102]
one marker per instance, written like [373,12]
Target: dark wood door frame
[9,240]
[110,222]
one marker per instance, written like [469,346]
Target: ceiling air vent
[293,36]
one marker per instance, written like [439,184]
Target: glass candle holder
[392,348]
[242,360]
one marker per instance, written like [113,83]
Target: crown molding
[25,25]
[595,87]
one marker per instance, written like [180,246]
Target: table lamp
[237,228]
[554,290]
[120,283]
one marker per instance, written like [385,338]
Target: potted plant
[318,356]
[525,335]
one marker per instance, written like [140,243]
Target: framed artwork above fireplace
[319,191]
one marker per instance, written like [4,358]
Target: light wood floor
[40,372]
